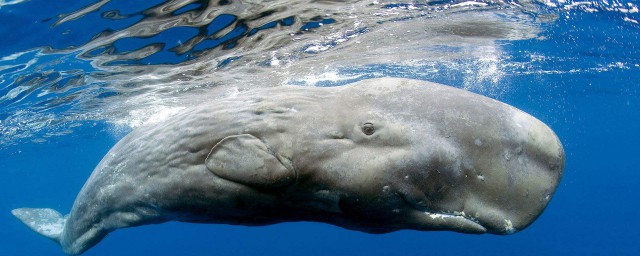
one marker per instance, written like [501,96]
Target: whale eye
[368,128]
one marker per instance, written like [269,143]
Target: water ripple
[126,62]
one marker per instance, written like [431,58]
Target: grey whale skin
[376,156]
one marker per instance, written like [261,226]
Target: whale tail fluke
[46,222]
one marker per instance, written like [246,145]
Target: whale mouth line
[459,221]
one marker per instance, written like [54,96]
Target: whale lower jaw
[458,222]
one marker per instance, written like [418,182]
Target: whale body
[376,156]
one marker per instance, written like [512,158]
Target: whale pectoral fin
[247,160]
[46,222]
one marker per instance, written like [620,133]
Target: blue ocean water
[68,93]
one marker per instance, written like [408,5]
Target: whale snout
[518,184]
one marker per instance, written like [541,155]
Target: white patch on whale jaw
[441,216]
[460,215]
[460,218]
[508,227]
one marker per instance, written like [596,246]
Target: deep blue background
[595,211]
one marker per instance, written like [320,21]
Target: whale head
[395,154]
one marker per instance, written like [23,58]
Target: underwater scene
[158,77]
